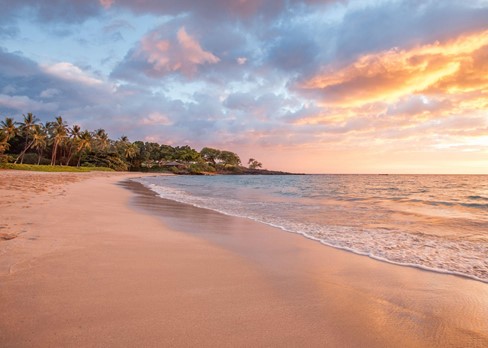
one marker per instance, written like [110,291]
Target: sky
[315,86]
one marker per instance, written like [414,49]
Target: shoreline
[326,243]
[172,213]
[111,266]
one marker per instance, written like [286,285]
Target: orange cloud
[454,67]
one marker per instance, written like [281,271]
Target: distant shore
[90,259]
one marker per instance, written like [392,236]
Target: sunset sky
[317,86]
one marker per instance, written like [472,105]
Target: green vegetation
[55,146]
[253,164]
[49,168]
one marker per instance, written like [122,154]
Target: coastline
[100,265]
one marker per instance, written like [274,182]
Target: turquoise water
[435,222]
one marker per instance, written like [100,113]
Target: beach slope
[87,262]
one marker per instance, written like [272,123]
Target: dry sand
[84,262]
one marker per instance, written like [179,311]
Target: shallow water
[435,222]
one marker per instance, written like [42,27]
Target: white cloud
[71,72]
[49,93]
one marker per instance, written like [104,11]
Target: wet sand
[97,263]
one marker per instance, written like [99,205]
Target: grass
[44,168]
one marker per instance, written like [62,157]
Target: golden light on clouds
[429,100]
[454,67]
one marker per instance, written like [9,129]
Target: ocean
[434,222]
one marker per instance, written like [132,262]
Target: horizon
[306,86]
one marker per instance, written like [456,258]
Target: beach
[93,260]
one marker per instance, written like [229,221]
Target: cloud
[117,25]
[72,11]
[379,26]
[8,102]
[61,89]
[156,118]
[8,32]
[293,48]
[213,9]
[107,3]
[328,76]
[451,67]
[241,60]
[49,93]
[158,55]
[71,72]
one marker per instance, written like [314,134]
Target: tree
[253,164]
[83,144]
[167,152]
[102,141]
[152,150]
[8,131]
[39,140]
[126,149]
[38,136]
[67,145]
[210,155]
[4,145]
[131,151]
[59,132]
[26,129]
[73,136]
[186,154]
[9,128]
[229,158]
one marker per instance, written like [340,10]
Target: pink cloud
[156,118]
[25,103]
[184,54]
[107,3]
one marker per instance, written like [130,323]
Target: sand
[89,261]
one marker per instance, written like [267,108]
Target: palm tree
[26,128]
[121,144]
[101,139]
[9,128]
[131,151]
[83,144]
[4,145]
[38,137]
[59,132]
[39,140]
[74,135]
[8,131]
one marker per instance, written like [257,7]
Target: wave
[481,198]
[420,250]
[449,204]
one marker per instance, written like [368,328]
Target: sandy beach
[92,260]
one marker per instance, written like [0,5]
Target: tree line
[57,143]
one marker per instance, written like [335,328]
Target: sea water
[434,222]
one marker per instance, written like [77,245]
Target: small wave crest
[480,198]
